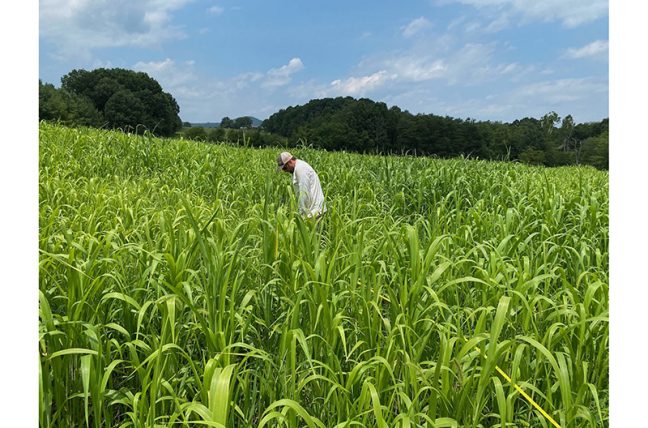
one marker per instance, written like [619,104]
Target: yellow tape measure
[524,394]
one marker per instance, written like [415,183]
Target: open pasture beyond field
[178,287]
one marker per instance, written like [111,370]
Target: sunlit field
[178,287]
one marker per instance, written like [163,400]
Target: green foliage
[242,122]
[242,137]
[533,156]
[196,133]
[558,157]
[177,287]
[216,135]
[238,123]
[124,110]
[336,123]
[226,122]
[595,151]
[65,107]
[259,138]
[365,126]
[129,100]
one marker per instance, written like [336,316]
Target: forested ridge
[363,125]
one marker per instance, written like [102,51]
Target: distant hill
[255,123]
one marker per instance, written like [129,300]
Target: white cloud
[78,26]
[200,99]
[210,98]
[571,13]
[579,97]
[596,49]
[177,79]
[359,85]
[456,22]
[470,64]
[350,86]
[583,98]
[561,90]
[215,10]
[508,68]
[473,60]
[498,24]
[416,68]
[416,26]
[283,75]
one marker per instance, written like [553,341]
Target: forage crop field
[177,287]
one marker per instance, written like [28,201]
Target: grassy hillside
[177,285]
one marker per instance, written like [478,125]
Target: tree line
[363,125]
[135,102]
[237,135]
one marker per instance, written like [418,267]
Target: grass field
[178,288]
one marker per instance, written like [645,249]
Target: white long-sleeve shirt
[308,190]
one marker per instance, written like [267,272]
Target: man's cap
[282,159]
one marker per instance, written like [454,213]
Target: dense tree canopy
[66,107]
[127,99]
[345,123]
[239,122]
[242,122]
[226,122]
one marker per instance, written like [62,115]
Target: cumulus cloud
[596,49]
[359,85]
[78,26]
[348,86]
[179,79]
[194,95]
[283,75]
[416,68]
[473,63]
[416,26]
[571,13]
[210,98]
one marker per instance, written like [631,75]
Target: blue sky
[483,59]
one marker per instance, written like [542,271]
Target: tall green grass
[179,288]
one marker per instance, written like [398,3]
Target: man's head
[286,162]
